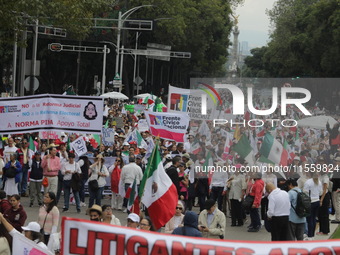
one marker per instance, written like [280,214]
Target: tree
[305,40]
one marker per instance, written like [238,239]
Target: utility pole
[34,56]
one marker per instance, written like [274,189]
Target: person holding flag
[157,192]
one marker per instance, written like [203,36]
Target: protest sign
[22,245]
[118,122]
[190,101]
[108,136]
[87,237]
[171,126]
[143,125]
[51,112]
[49,135]
[79,146]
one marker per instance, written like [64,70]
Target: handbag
[75,182]
[10,172]
[45,182]
[93,184]
[248,202]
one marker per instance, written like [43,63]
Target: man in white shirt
[129,173]
[9,149]
[278,212]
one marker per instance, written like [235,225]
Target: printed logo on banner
[90,111]
[156,120]
[179,102]
[10,108]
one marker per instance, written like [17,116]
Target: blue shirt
[293,217]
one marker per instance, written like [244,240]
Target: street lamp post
[121,19]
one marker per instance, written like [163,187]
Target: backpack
[303,204]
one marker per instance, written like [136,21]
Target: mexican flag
[133,199]
[31,144]
[137,137]
[244,149]
[206,166]
[273,150]
[157,191]
[195,147]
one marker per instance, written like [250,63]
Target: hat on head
[52,145]
[37,153]
[134,217]
[168,156]
[139,157]
[337,159]
[238,165]
[297,158]
[96,208]
[186,155]
[133,142]
[209,203]
[32,226]
[126,144]
[62,134]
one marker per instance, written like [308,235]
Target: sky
[254,22]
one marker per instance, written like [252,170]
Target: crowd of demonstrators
[216,195]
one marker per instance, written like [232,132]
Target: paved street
[232,233]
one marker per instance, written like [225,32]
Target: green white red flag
[157,191]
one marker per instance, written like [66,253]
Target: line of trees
[305,41]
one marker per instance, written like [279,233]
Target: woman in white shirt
[98,171]
[313,188]
[68,169]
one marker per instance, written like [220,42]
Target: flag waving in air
[133,199]
[157,191]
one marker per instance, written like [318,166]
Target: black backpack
[303,204]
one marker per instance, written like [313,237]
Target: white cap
[297,158]
[32,226]
[62,134]
[126,143]
[134,217]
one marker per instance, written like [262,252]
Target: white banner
[51,112]
[190,101]
[88,238]
[170,126]
[79,146]
[142,125]
[22,245]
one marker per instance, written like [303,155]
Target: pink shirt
[52,164]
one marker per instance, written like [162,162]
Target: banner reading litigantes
[51,112]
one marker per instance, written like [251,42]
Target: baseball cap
[297,158]
[32,226]
[126,144]
[134,217]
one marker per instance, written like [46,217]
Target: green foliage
[305,40]
[200,27]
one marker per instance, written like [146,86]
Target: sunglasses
[118,160]
[144,225]
[179,208]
